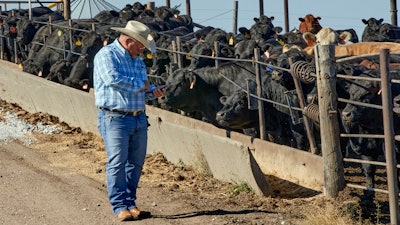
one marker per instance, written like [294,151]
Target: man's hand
[160,91]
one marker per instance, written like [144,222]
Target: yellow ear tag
[78,43]
[188,56]
[281,42]
[149,56]
[59,33]
[247,35]
[231,40]
[20,66]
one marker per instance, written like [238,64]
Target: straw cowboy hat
[139,32]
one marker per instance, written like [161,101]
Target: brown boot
[125,215]
[136,213]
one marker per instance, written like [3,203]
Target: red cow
[310,24]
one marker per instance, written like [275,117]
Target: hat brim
[148,43]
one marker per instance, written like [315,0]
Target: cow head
[354,115]
[235,113]
[373,23]
[309,24]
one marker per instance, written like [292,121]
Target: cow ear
[278,29]
[192,79]
[302,19]
[222,99]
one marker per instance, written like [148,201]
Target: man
[120,84]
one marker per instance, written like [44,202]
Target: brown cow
[310,24]
[373,65]
[360,48]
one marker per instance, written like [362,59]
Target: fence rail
[257,64]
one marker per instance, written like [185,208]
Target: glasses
[140,48]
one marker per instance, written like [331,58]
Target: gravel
[12,128]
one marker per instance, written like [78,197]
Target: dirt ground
[60,179]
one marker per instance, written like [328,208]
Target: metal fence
[302,71]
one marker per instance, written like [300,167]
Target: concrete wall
[179,138]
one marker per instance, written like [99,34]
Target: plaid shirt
[118,79]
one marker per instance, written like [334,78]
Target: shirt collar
[121,49]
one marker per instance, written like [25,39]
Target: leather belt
[134,113]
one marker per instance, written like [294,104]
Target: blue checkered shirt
[118,79]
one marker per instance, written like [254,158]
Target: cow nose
[153,71]
[220,115]
[346,115]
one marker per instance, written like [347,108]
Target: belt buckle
[137,113]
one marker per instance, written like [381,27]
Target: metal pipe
[387,114]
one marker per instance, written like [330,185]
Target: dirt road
[33,191]
[58,178]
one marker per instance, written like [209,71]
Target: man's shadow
[211,212]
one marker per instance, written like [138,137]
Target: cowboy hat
[139,32]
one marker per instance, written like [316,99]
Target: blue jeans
[125,140]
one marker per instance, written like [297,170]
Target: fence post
[179,49]
[387,113]
[235,17]
[216,50]
[15,50]
[261,114]
[174,54]
[329,126]
[3,40]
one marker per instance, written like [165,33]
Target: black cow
[59,71]
[263,29]
[186,79]
[378,31]
[238,114]
[40,63]
[364,120]
[192,95]
[82,70]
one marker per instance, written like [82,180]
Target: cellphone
[162,86]
[153,87]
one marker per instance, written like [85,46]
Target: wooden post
[261,114]
[286,14]
[387,113]
[179,49]
[329,125]
[67,9]
[261,2]
[150,5]
[168,3]
[216,50]
[188,7]
[393,12]
[175,57]
[235,17]
[30,10]
[2,39]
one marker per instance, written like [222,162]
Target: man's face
[135,47]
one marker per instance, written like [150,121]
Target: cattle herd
[213,78]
